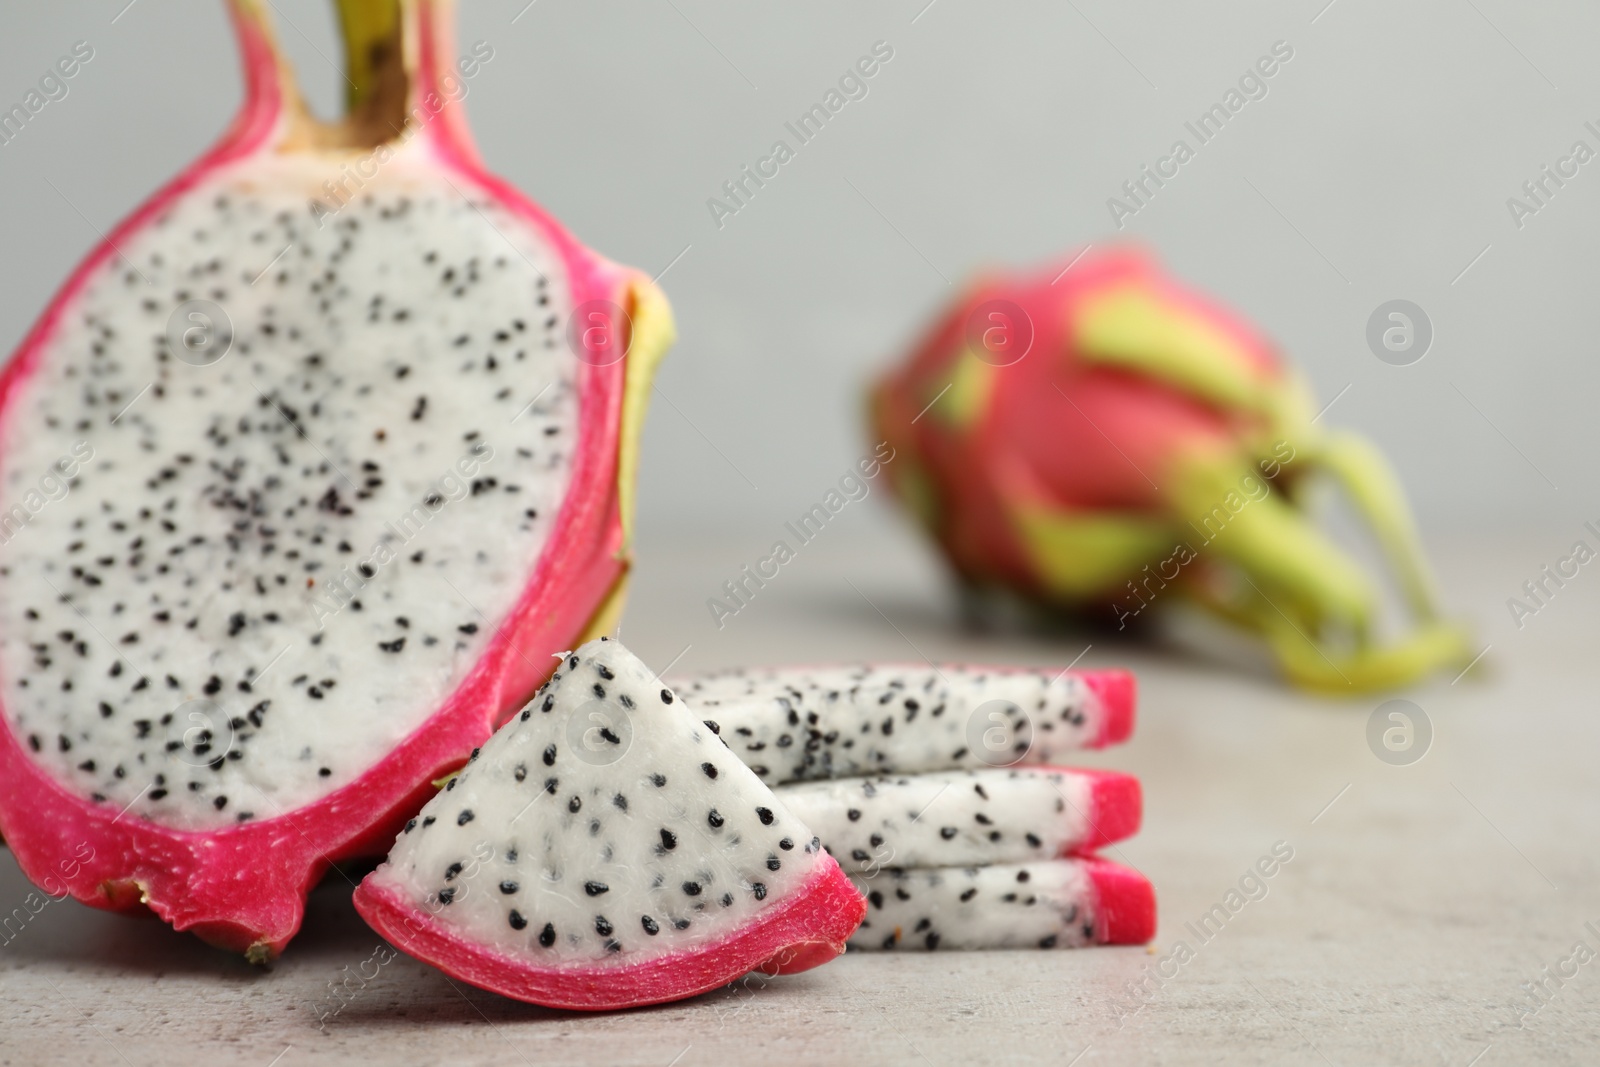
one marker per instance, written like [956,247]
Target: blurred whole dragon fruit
[1099,438]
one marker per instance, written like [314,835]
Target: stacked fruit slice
[961,834]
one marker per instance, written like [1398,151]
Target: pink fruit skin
[244,887]
[1116,807]
[1058,428]
[805,930]
[1126,903]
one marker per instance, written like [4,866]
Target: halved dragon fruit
[1058,904]
[336,438]
[797,723]
[967,818]
[605,849]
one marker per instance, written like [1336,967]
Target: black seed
[1033,839]
[649,925]
[715,819]
[759,889]
[619,802]
[574,805]
[932,941]
[605,672]
[854,814]
[1048,942]
[786,844]
[1022,876]
[666,696]
[658,780]
[948,832]
[547,936]
[594,889]
[447,895]
[520,772]
[875,840]
[602,926]
[550,756]
[765,815]
[680,924]
[859,855]
[508,887]
[727,900]
[599,690]
[692,888]
[451,871]
[968,895]
[516,919]
[711,771]
[773,863]
[669,840]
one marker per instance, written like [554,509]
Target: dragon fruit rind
[1098,438]
[352,426]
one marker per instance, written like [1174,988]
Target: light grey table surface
[1419,901]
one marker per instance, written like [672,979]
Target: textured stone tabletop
[1419,900]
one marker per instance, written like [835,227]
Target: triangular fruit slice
[604,850]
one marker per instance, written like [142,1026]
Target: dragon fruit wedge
[796,723]
[337,434]
[1098,438]
[1056,904]
[967,818]
[604,850]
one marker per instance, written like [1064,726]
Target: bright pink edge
[1125,903]
[805,930]
[1116,805]
[245,886]
[1118,691]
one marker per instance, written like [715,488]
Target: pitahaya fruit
[1098,438]
[796,723]
[364,423]
[967,818]
[1064,903]
[604,850]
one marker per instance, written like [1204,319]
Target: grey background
[1377,167]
